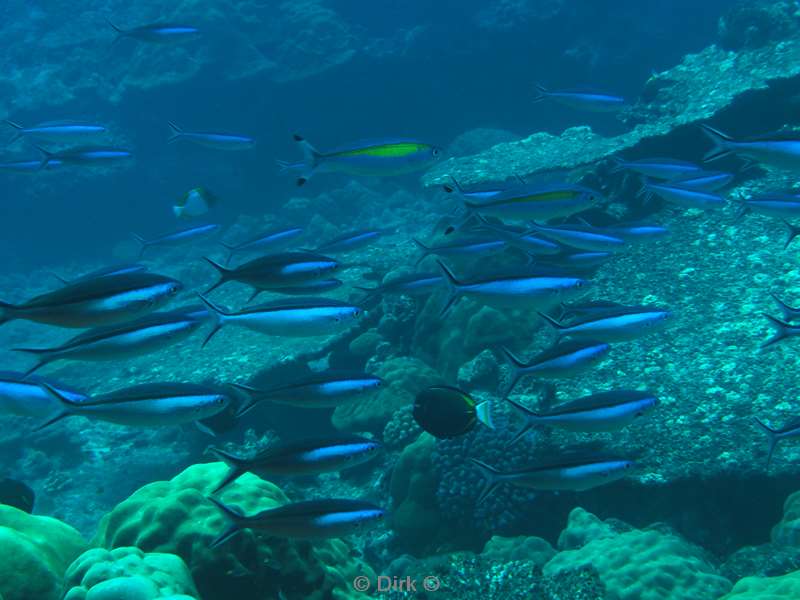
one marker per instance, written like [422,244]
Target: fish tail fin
[619,164]
[41,360]
[426,251]
[17,131]
[772,438]
[175,132]
[781,330]
[543,92]
[484,413]
[66,404]
[217,314]
[114,27]
[284,165]
[233,516]
[231,251]
[311,157]
[57,276]
[6,312]
[453,288]
[250,393]
[224,274]
[788,311]
[456,187]
[722,143]
[529,416]
[491,477]
[235,464]
[143,244]
[46,157]
[558,326]
[516,365]
[794,231]
[741,211]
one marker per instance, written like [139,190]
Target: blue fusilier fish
[142,336]
[628,323]
[783,330]
[285,269]
[594,101]
[352,240]
[147,405]
[483,192]
[560,361]
[270,240]
[658,168]
[777,149]
[535,202]
[296,317]
[415,284]
[782,206]
[537,292]
[29,166]
[210,139]
[603,412]
[790,430]
[581,237]
[157,33]
[589,309]
[468,247]
[24,396]
[303,457]
[56,131]
[631,232]
[580,262]
[789,312]
[177,238]
[84,155]
[709,181]
[95,302]
[310,519]
[327,389]
[521,238]
[374,158]
[571,473]
[103,272]
[317,286]
[681,196]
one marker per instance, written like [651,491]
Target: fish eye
[436,152]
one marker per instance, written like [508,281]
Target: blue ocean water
[445,224]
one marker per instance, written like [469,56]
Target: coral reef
[175,517]
[784,587]
[787,531]
[753,23]
[129,573]
[36,552]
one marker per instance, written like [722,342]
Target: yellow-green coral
[645,565]
[176,517]
[35,553]
[786,587]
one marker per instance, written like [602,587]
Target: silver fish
[626,324]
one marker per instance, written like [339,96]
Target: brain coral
[176,517]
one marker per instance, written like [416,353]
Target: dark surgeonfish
[85,155]
[157,33]
[658,168]
[347,242]
[96,302]
[326,389]
[294,317]
[594,101]
[56,131]
[378,158]
[534,291]
[25,396]
[310,519]
[562,360]
[628,323]
[285,269]
[272,240]
[304,457]
[133,338]
[780,149]
[17,494]
[575,473]
[146,405]
[209,139]
[447,412]
[176,238]
[103,272]
[601,412]
[790,430]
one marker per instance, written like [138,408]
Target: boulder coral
[176,517]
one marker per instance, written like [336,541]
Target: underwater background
[326,299]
